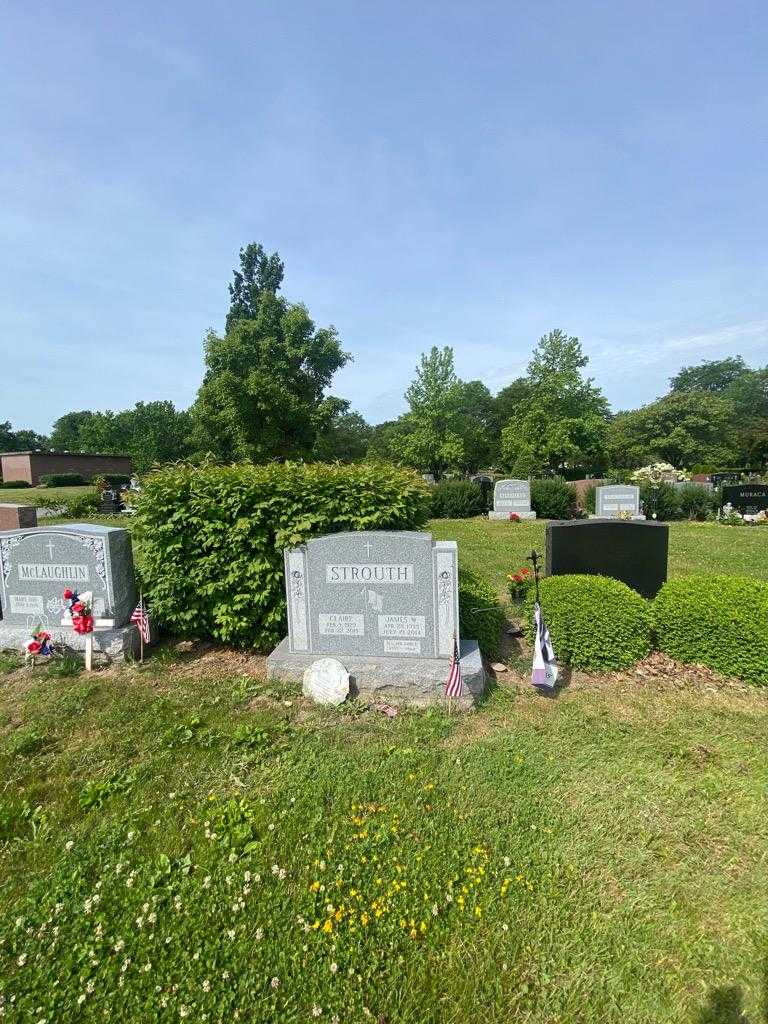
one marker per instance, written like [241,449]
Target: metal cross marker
[368,548]
[49,545]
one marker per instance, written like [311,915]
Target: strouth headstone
[747,498]
[512,496]
[326,681]
[383,603]
[17,517]
[634,552]
[36,565]
[617,501]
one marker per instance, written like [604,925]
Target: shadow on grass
[725,1005]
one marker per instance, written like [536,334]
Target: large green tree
[151,433]
[263,393]
[20,440]
[683,428]
[445,429]
[713,375]
[559,418]
[345,436]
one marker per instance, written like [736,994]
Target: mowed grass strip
[42,497]
[493,548]
[210,847]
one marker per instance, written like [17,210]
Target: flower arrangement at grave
[624,514]
[79,607]
[660,472]
[514,517]
[40,646]
[519,583]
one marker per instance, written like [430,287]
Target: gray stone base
[506,515]
[418,681]
[108,644]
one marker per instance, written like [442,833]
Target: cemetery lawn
[494,549]
[183,841]
[42,497]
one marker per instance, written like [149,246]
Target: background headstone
[512,496]
[747,498]
[17,517]
[37,564]
[326,681]
[635,552]
[614,499]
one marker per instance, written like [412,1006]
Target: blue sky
[431,173]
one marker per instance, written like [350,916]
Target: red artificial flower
[514,517]
[526,571]
[34,647]
[517,578]
[77,606]
[43,636]
[68,594]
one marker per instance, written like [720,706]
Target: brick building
[30,466]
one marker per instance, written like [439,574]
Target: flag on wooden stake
[454,685]
[141,619]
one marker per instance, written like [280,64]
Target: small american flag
[141,619]
[453,684]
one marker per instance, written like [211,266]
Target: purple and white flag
[544,672]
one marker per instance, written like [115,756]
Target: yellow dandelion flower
[328,927]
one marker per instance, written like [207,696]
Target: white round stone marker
[326,681]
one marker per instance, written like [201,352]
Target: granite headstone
[615,500]
[633,551]
[512,496]
[36,565]
[385,604]
[17,517]
[747,498]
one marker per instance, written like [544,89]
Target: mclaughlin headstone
[36,565]
[616,501]
[385,604]
[512,496]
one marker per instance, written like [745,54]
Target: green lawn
[41,497]
[494,549]
[184,841]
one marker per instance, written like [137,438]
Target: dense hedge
[213,537]
[62,480]
[12,484]
[480,614]
[456,499]
[719,621]
[595,622]
[553,499]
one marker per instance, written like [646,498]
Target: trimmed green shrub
[213,537]
[456,499]
[665,502]
[595,622]
[553,499]
[696,502]
[80,506]
[589,499]
[719,621]
[480,614]
[62,480]
[13,484]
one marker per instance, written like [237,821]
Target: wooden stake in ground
[88,652]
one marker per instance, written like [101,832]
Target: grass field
[184,841]
[41,497]
[493,549]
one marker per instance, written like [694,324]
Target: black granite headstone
[634,552]
[749,498]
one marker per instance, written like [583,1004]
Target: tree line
[264,397]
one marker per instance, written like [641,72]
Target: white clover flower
[225,975]
[81,999]
[119,945]
[196,955]
[130,835]
[22,960]
[317,1011]
[275,869]
[19,922]
[68,845]
[152,917]
[231,933]
[207,882]
[275,983]
[334,968]
[183,1011]
[271,827]
[206,986]
[147,968]
[232,857]
[90,986]
[505,927]
[507,862]
[259,934]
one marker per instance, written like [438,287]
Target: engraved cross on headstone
[368,548]
[49,545]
